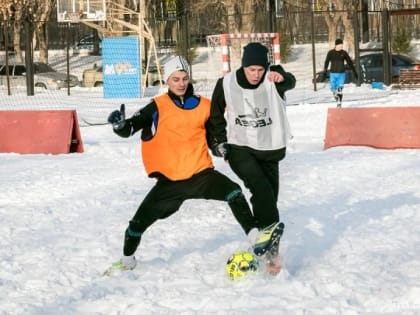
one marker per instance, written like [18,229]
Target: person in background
[248,127]
[337,57]
[175,152]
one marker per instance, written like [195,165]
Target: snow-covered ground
[351,244]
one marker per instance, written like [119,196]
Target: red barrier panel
[378,127]
[43,131]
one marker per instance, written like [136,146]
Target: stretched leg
[211,184]
[339,98]
[334,84]
[341,79]
[271,172]
[263,199]
[159,203]
[241,211]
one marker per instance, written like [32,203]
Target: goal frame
[76,11]
[225,42]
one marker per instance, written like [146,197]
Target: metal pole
[365,21]
[28,58]
[385,46]
[186,45]
[356,46]
[6,43]
[273,26]
[313,50]
[269,15]
[68,58]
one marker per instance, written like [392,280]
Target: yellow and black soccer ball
[240,264]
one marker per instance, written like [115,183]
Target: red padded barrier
[378,127]
[43,131]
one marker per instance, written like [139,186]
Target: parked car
[44,76]
[94,77]
[321,76]
[372,68]
[88,43]
[153,76]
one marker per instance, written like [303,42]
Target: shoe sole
[275,237]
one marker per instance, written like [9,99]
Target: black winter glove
[117,118]
[221,150]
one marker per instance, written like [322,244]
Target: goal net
[225,50]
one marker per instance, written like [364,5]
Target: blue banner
[121,67]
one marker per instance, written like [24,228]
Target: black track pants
[166,197]
[259,171]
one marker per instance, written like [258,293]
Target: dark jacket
[144,118]
[337,58]
[216,126]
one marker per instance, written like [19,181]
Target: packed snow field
[351,243]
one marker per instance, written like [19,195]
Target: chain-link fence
[178,26]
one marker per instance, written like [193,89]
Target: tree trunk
[17,29]
[43,43]
[16,40]
[42,12]
[341,11]
[241,19]
[348,22]
[247,10]
[332,22]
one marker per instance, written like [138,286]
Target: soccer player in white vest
[248,127]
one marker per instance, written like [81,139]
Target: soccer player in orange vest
[175,152]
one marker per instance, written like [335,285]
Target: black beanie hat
[338,41]
[255,54]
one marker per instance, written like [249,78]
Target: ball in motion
[240,264]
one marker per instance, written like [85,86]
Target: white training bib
[256,118]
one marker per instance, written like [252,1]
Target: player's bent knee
[235,195]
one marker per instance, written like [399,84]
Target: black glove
[221,150]
[117,118]
[323,76]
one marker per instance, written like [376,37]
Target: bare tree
[213,23]
[18,9]
[37,13]
[41,15]
[5,9]
[340,13]
[242,15]
[348,14]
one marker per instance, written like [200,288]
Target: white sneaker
[128,262]
[125,263]
[252,235]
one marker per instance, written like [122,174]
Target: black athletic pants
[166,197]
[259,170]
